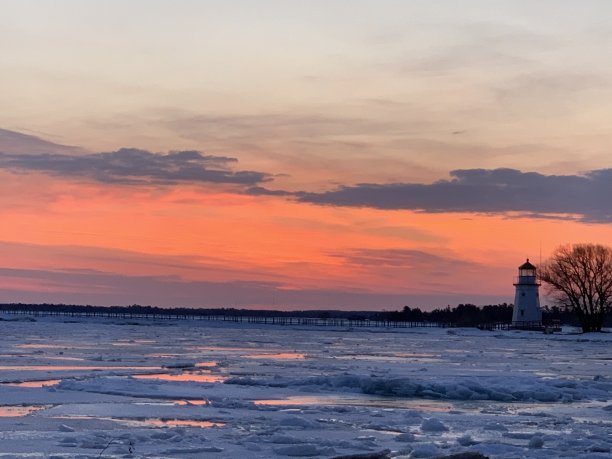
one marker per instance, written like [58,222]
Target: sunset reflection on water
[185,377]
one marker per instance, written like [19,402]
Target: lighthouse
[527,298]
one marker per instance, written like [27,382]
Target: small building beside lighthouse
[527,298]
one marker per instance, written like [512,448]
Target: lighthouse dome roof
[527,265]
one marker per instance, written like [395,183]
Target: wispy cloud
[420,270]
[297,125]
[25,144]
[133,166]
[411,259]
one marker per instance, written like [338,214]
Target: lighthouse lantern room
[527,298]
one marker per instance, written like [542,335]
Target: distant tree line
[472,315]
[461,315]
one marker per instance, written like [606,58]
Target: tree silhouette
[579,277]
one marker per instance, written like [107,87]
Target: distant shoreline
[463,315]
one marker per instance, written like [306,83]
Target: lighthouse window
[523,294]
[522,312]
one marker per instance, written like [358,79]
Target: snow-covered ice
[188,389]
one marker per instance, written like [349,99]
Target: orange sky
[193,234]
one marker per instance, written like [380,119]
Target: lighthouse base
[534,325]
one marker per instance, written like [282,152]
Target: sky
[298,155]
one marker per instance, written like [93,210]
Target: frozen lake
[72,389]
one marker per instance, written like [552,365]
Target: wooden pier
[265,320]
[530,326]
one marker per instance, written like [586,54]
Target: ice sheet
[260,391]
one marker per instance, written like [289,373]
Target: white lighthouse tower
[526,310]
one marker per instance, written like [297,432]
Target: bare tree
[579,277]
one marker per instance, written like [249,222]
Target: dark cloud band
[134,166]
[588,196]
